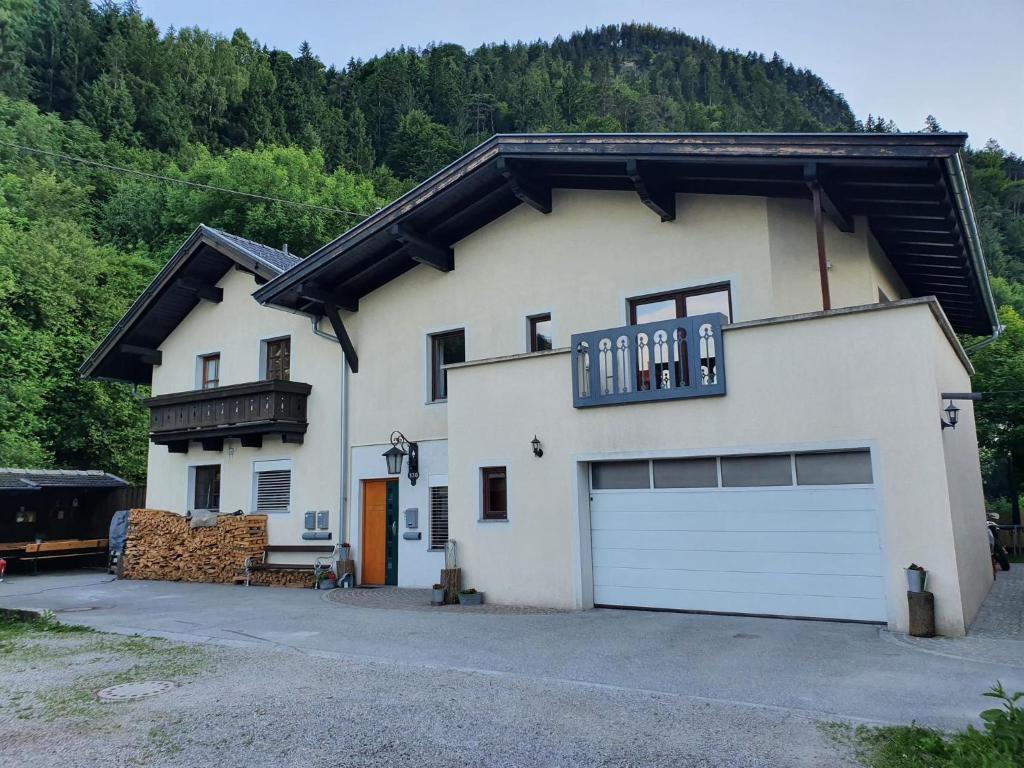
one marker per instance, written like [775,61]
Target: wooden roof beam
[422,249]
[654,191]
[146,355]
[318,295]
[203,290]
[812,178]
[534,195]
[347,347]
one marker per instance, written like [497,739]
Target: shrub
[999,743]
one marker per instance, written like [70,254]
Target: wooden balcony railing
[665,360]
[245,411]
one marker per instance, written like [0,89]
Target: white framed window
[438,517]
[272,485]
[207,370]
[204,487]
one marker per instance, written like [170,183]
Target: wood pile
[161,545]
[283,578]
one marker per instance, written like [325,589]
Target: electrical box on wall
[412,517]
[321,519]
[309,521]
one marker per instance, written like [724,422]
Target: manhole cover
[133,691]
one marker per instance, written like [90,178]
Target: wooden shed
[46,514]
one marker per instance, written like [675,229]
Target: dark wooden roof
[910,187]
[127,352]
[22,480]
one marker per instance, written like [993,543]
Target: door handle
[394,528]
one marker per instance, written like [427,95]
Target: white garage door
[782,534]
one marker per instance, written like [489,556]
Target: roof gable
[191,275]
[910,187]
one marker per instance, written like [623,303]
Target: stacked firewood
[283,578]
[161,545]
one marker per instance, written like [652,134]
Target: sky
[905,59]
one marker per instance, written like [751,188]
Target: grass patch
[998,744]
[83,660]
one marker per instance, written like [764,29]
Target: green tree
[421,147]
[1000,376]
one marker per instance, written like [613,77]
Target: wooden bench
[51,550]
[259,562]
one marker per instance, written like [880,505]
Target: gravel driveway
[286,678]
[239,707]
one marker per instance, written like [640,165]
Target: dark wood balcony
[665,360]
[245,411]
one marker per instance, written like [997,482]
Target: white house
[734,351]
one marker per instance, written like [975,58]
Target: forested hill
[111,67]
[79,241]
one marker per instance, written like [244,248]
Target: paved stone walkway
[997,634]
[406,599]
[1002,614]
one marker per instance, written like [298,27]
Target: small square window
[445,349]
[495,493]
[540,333]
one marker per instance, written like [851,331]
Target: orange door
[375,524]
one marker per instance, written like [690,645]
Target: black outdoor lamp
[395,453]
[953,416]
[537,450]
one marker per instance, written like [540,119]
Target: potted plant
[471,597]
[345,551]
[437,598]
[916,577]
[326,580]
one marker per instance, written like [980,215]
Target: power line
[171,179]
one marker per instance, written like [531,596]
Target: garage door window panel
[834,468]
[621,475]
[757,471]
[686,473]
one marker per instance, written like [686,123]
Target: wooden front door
[380,532]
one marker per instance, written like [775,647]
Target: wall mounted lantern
[537,450]
[400,447]
[952,414]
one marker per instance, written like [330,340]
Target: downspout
[343,463]
[962,198]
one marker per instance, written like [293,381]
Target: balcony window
[540,333]
[209,371]
[705,300]
[445,348]
[277,355]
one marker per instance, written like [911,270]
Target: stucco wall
[859,379]
[964,484]
[234,328]
[581,263]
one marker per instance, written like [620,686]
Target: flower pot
[915,580]
[476,598]
[437,597]
[328,583]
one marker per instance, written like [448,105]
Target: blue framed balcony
[665,360]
